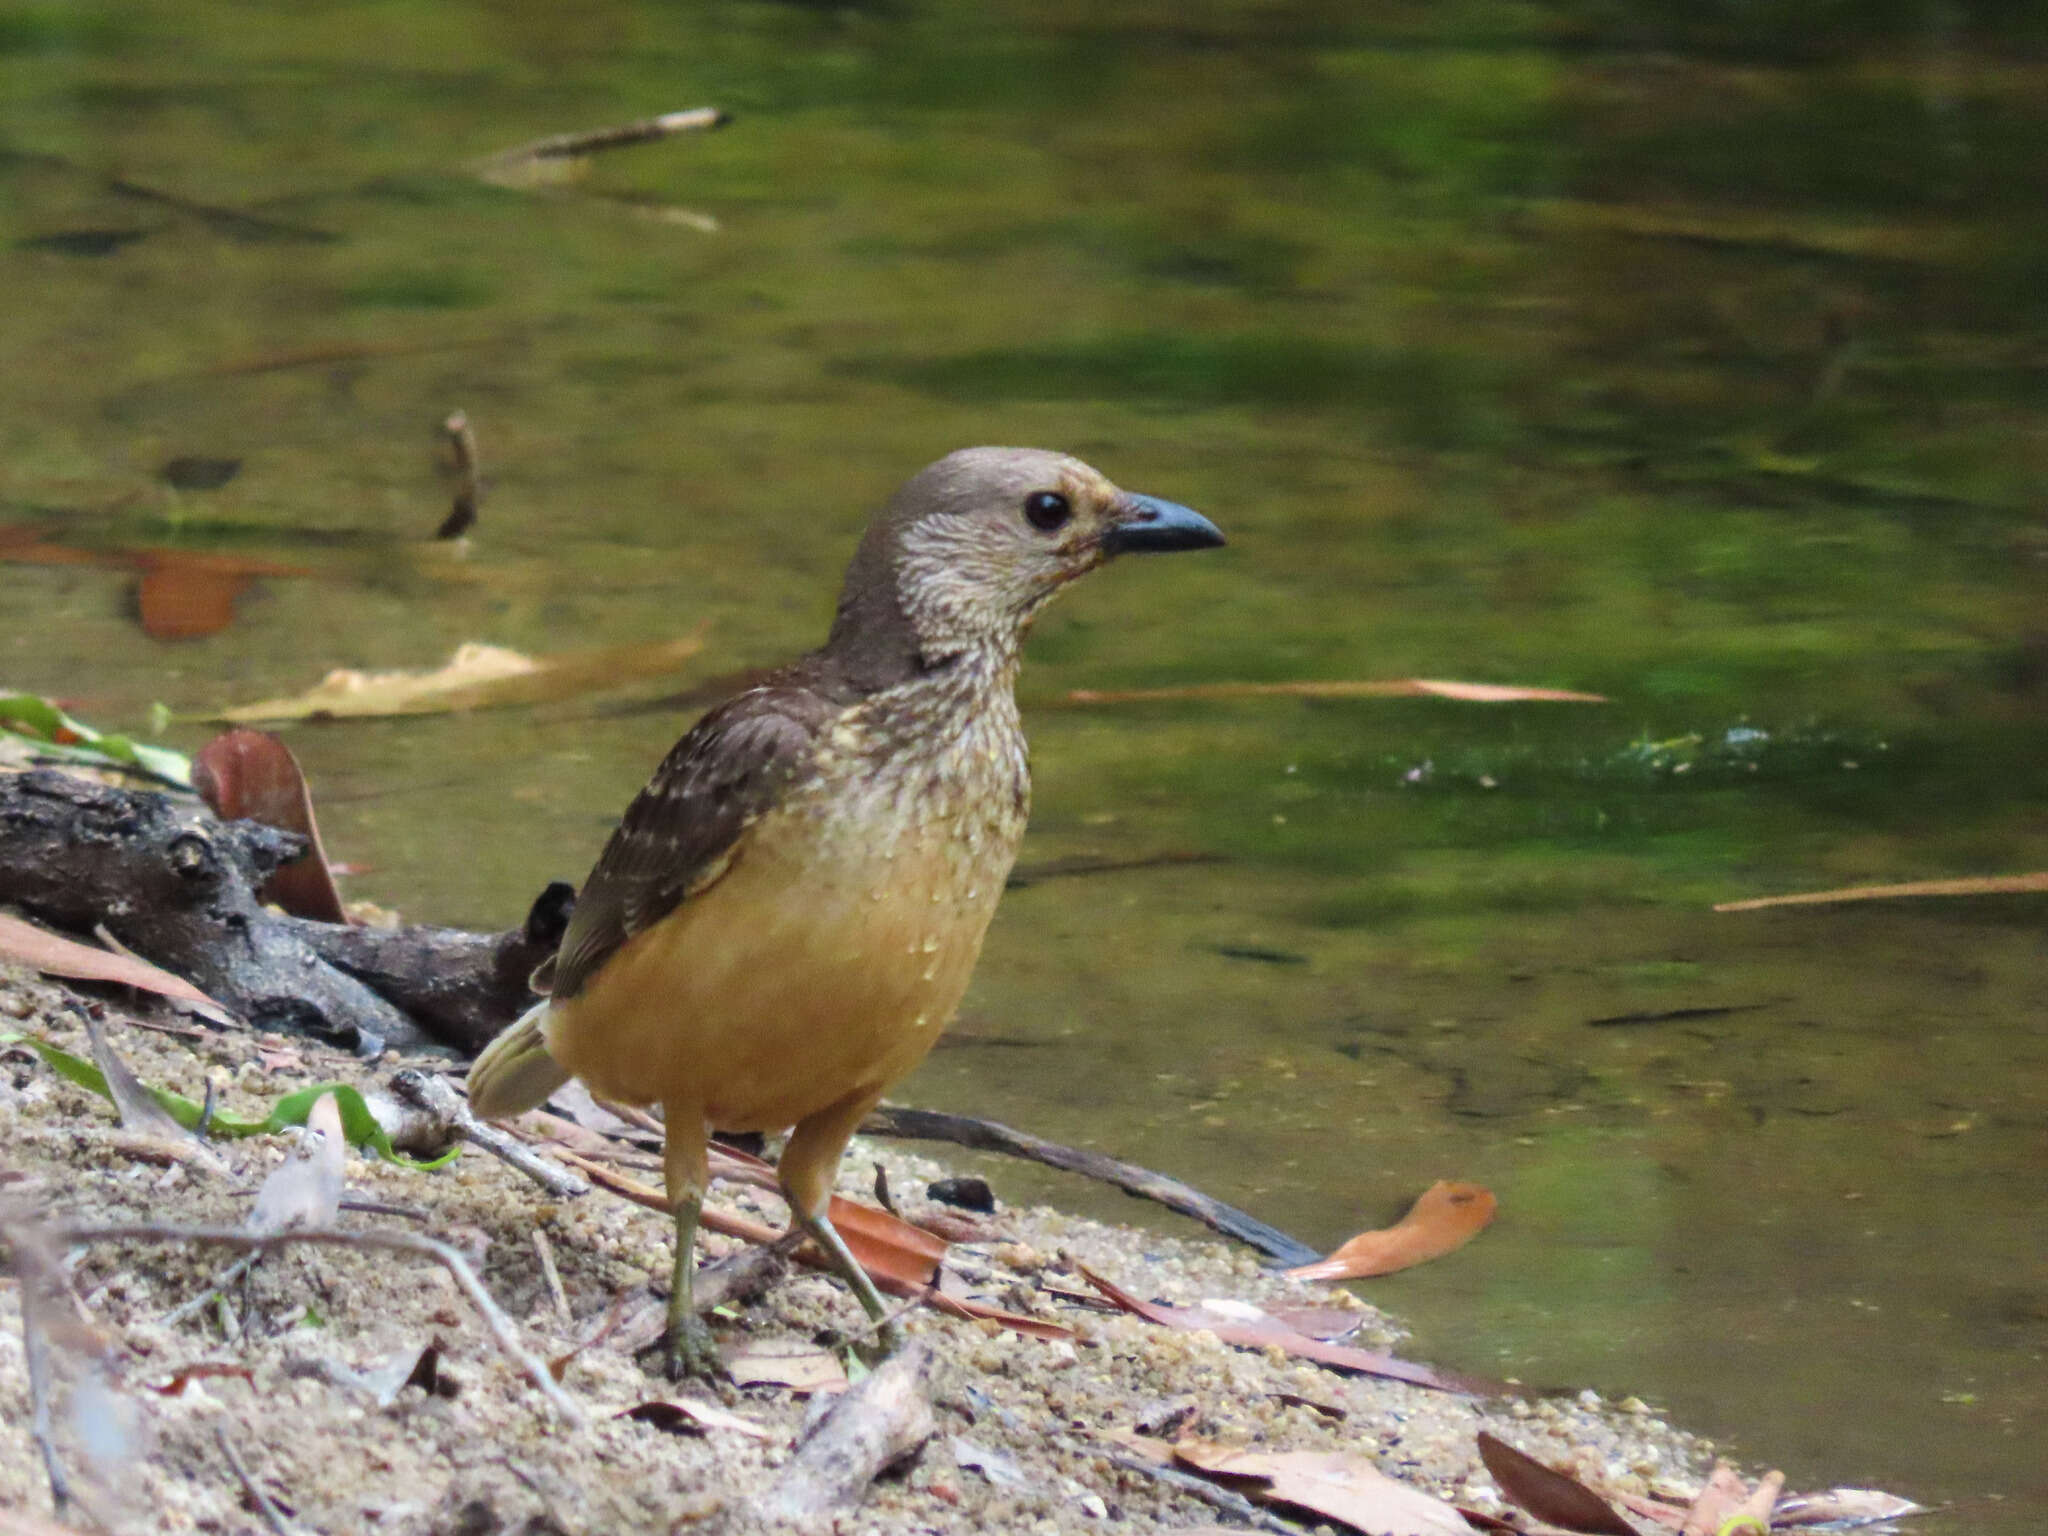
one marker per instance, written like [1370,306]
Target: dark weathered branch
[179,887]
[988,1136]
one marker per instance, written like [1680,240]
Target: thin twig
[430,1091]
[545,1251]
[565,146]
[989,1136]
[1201,1488]
[469,481]
[210,1295]
[503,1330]
[265,1505]
[37,1350]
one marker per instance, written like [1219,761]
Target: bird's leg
[808,1169]
[686,1168]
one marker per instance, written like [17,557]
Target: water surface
[1691,360]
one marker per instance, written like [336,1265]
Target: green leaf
[56,734]
[357,1123]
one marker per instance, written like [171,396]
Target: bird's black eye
[1046,510]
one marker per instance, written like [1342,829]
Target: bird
[788,913]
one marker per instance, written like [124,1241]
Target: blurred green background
[1691,354]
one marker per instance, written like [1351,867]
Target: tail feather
[515,1073]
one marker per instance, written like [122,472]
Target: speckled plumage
[789,912]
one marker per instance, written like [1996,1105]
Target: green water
[1690,355]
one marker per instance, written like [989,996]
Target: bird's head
[969,550]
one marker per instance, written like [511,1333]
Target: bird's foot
[885,1340]
[689,1351]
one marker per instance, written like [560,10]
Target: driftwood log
[178,887]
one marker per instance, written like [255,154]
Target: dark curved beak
[1146,525]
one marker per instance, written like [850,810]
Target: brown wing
[683,830]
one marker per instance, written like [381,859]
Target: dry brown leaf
[1391,688]
[1446,1217]
[800,1370]
[688,1417]
[1554,1497]
[1272,1334]
[1860,1506]
[251,775]
[54,955]
[1334,1485]
[478,676]
[1975,885]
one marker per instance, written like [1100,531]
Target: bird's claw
[887,1338]
[689,1351]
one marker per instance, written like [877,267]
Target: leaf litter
[418,1462]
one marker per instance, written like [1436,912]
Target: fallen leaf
[1394,688]
[1858,1506]
[1273,1334]
[1334,1485]
[478,676]
[1000,1468]
[251,775]
[1335,1412]
[1446,1217]
[1554,1497]
[1726,1502]
[54,955]
[305,1189]
[358,1121]
[887,1246]
[693,1418]
[186,596]
[800,1370]
[1977,885]
[1327,1323]
[55,734]
[138,1110]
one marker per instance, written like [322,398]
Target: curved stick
[988,1136]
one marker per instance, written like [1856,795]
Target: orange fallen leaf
[54,955]
[244,774]
[1446,1217]
[1335,1485]
[1976,885]
[1391,688]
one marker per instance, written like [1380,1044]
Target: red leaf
[245,774]
[1551,1496]
[55,955]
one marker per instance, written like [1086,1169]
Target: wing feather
[686,828]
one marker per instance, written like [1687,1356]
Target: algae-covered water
[1694,356]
